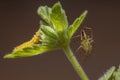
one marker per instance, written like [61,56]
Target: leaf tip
[8,56]
[57,5]
[86,11]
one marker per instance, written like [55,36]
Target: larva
[35,39]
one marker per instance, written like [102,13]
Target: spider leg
[78,49]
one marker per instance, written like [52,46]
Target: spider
[86,41]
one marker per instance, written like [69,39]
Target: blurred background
[19,21]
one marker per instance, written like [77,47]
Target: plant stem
[75,63]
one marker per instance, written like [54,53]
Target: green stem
[75,63]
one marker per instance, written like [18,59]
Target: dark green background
[19,21]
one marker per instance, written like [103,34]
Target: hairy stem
[75,63]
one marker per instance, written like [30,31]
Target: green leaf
[48,36]
[76,24]
[108,74]
[44,23]
[59,18]
[48,31]
[44,12]
[29,51]
[116,74]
